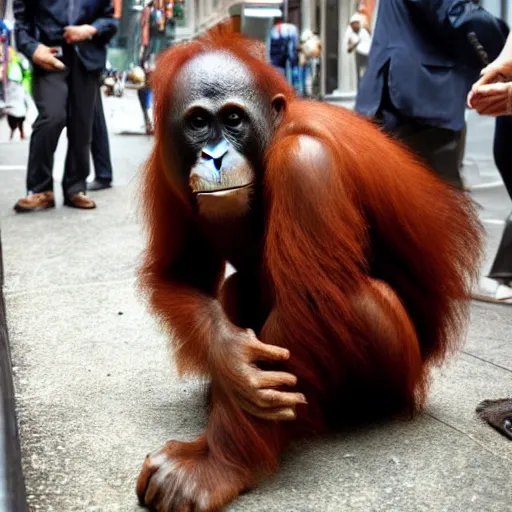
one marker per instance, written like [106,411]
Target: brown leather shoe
[35,202]
[81,201]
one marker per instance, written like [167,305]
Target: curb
[10,453]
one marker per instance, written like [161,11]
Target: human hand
[79,33]
[44,57]
[492,99]
[234,366]
[498,71]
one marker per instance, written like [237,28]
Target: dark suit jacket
[420,48]
[29,29]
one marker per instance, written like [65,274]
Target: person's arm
[118,8]
[27,44]
[106,24]
[500,69]
[494,99]
[144,24]
[24,28]
[489,95]
[102,28]
[351,43]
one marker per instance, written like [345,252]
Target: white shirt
[363,39]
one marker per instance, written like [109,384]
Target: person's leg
[501,269]
[143,94]
[496,287]
[20,127]
[363,66]
[100,149]
[462,145]
[50,90]
[11,121]
[83,88]
[498,413]
[438,147]
[361,62]
[502,150]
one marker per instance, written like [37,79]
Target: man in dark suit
[421,67]
[66,41]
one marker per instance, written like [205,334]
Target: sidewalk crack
[486,361]
[469,436]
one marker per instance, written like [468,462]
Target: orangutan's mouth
[222,192]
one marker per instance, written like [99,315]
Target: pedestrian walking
[283,49]
[66,41]
[17,94]
[358,41]
[158,31]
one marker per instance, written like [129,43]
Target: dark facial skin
[220,123]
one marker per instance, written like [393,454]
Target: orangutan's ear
[279,106]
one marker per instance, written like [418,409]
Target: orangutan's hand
[233,360]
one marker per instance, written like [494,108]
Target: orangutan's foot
[183,477]
[498,413]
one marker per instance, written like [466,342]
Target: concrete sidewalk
[96,392]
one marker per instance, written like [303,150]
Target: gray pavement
[95,390]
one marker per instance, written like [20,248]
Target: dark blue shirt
[44,21]
[51,17]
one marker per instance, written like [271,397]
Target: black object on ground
[10,453]
[498,413]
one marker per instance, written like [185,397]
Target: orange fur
[367,265]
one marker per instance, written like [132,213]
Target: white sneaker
[489,290]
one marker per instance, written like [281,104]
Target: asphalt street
[95,390]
